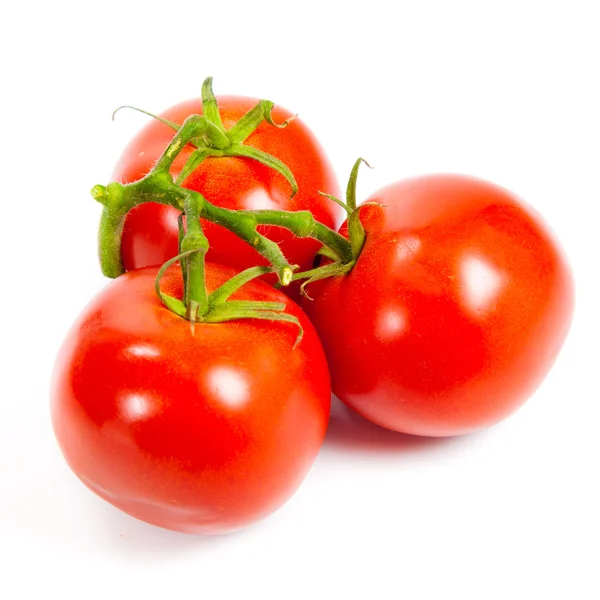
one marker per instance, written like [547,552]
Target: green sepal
[170,124]
[173,304]
[249,305]
[221,309]
[240,309]
[351,187]
[356,231]
[327,252]
[337,201]
[266,159]
[324,272]
[249,122]
[222,293]
[194,160]
[210,108]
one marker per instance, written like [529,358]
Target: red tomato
[150,232]
[199,431]
[454,313]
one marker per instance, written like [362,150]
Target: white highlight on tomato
[136,407]
[391,322]
[482,282]
[232,388]
[406,247]
[259,200]
[143,350]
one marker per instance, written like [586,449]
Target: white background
[507,91]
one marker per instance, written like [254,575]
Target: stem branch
[196,297]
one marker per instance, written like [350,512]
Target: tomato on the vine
[194,427]
[454,311]
[150,230]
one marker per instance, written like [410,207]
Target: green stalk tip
[100,194]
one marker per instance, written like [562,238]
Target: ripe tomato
[454,312]
[196,431]
[150,231]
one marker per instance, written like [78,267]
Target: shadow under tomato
[59,511]
[349,431]
[129,535]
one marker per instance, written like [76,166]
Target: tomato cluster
[437,309]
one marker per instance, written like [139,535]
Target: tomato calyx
[211,139]
[356,238]
[218,308]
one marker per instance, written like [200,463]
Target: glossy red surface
[230,182]
[199,431]
[454,312]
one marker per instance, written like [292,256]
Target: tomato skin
[231,182]
[454,313]
[201,432]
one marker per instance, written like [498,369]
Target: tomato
[454,312]
[150,231]
[202,430]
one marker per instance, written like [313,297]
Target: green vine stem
[158,186]
[207,134]
[118,199]
[195,297]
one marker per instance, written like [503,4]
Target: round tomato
[454,312]
[150,231]
[200,429]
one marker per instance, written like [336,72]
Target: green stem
[210,108]
[249,122]
[265,159]
[196,297]
[356,231]
[222,294]
[180,236]
[303,224]
[244,224]
[159,187]
[109,242]
[197,128]
[118,199]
